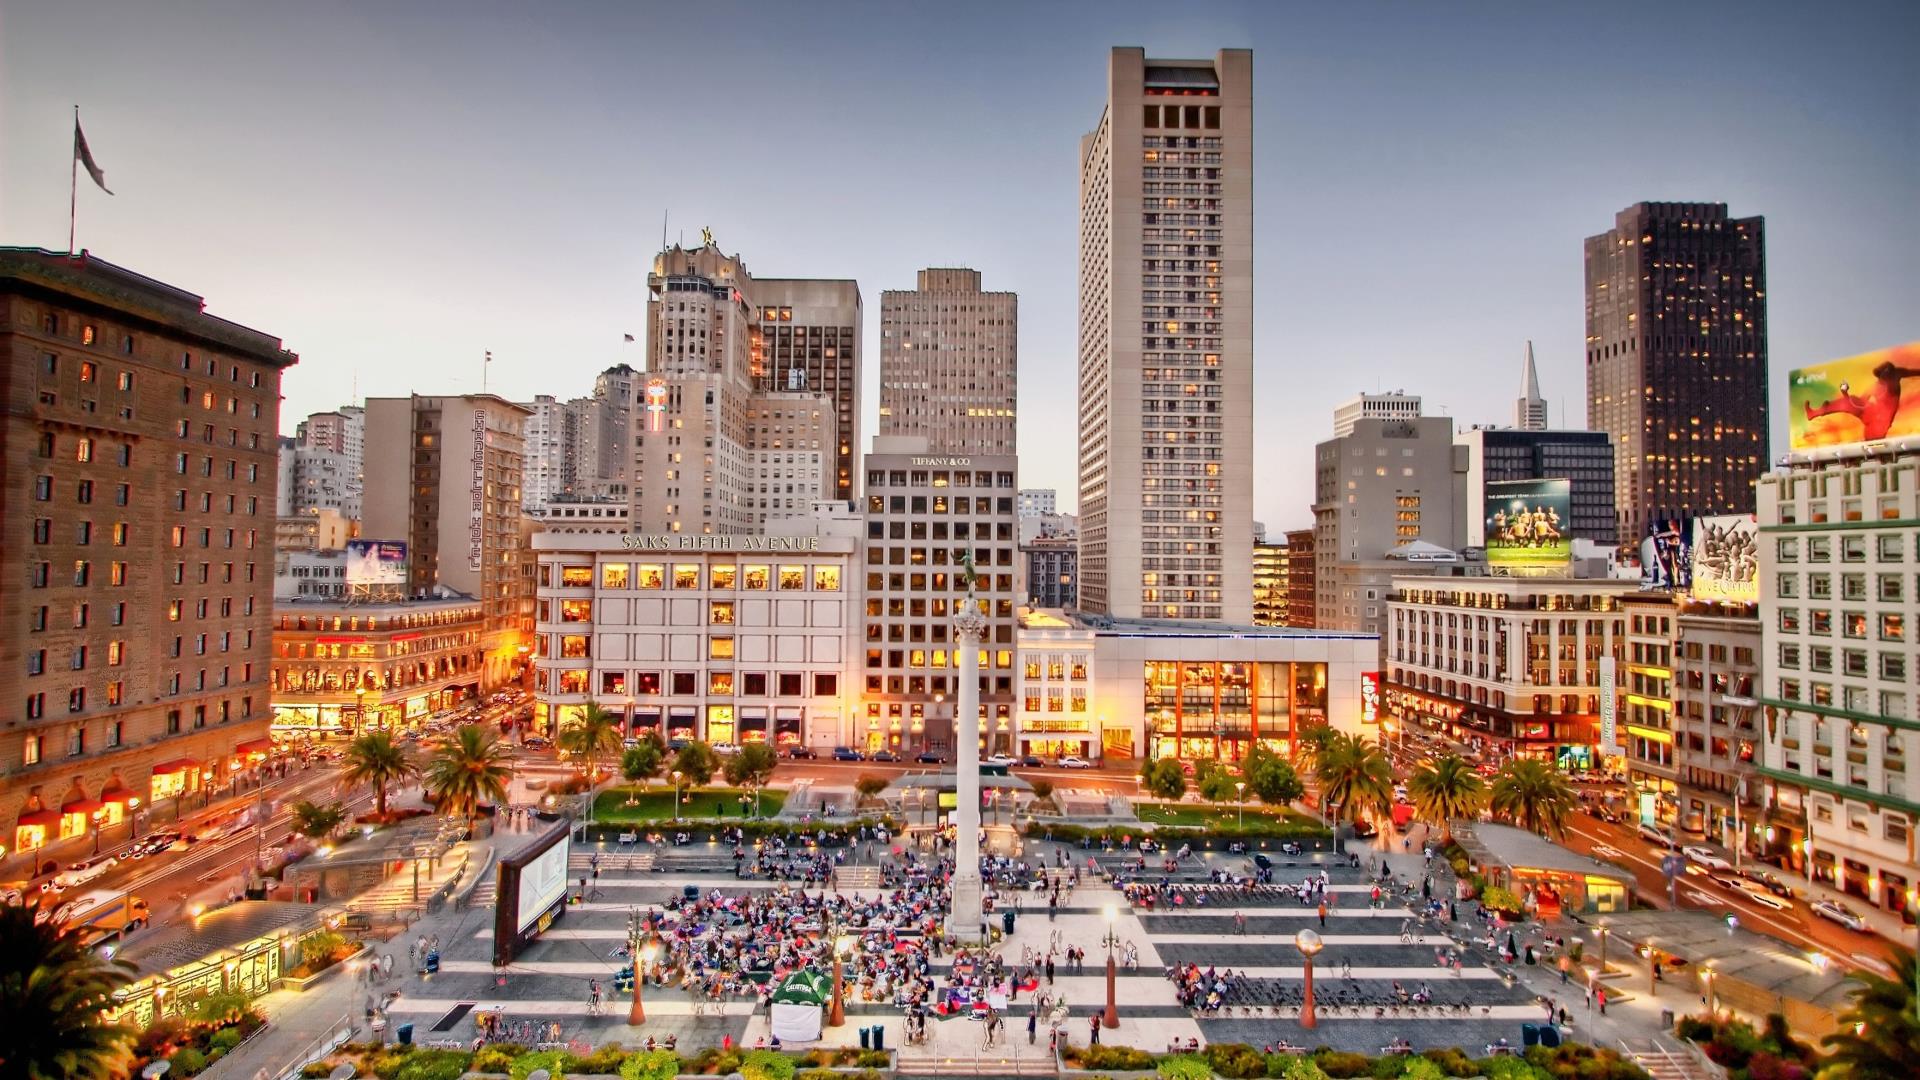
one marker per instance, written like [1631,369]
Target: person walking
[1093,1030]
[1600,996]
[1049,969]
[1033,1027]
[1323,914]
[1565,965]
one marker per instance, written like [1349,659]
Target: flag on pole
[84,156]
[629,338]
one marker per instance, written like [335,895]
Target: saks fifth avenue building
[724,638]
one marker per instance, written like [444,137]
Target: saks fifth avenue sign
[703,542]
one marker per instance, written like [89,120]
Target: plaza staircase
[915,1062]
[1665,1062]
[857,877]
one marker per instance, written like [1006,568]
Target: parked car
[1032,761]
[536,742]
[1001,759]
[1363,829]
[1755,892]
[1609,815]
[1072,762]
[928,757]
[1655,834]
[82,872]
[884,755]
[846,753]
[1768,881]
[1840,913]
[1706,857]
[801,753]
[726,749]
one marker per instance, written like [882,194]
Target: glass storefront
[1220,709]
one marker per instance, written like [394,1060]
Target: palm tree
[1879,1034]
[1533,796]
[1447,789]
[374,758]
[1355,776]
[597,732]
[315,821]
[54,994]
[1310,745]
[473,767]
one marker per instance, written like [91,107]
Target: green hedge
[1257,836]
[1238,1061]
[701,829]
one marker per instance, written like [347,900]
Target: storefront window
[720,613]
[720,648]
[723,576]
[614,576]
[573,646]
[649,576]
[826,579]
[720,682]
[686,575]
[576,576]
[757,577]
[573,682]
[720,724]
[576,611]
[793,578]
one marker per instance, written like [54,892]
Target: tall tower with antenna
[1530,411]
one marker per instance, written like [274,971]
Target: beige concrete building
[457,507]
[1166,340]
[340,668]
[138,473]
[810,343]
[949,358]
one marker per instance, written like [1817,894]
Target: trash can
[1666,1019]
[404,1033]
[1549,1037]
[866,1038]
[433,963]
[879,1037]
[1529,1035]
[1006,921]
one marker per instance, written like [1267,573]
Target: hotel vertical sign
[477,496]
[1609,709]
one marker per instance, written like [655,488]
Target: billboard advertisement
[376,562]
[1726,558]
[1855,400]
[1666,562]
[1527,522]
[543,881]
[532,891]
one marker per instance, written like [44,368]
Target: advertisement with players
[1527,522]
[1726,559]
[376,562]
[1855,400]
[1666,562]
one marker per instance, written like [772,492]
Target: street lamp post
[99,819]
[133,817]
[1111,1018]
[1602,931]
[1308,942]
[837,1016]
[1240,789]
[676,794]
[642,957]
[1706,974]
[1653,968]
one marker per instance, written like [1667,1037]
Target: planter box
[300,985]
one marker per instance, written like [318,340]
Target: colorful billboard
[1726,559]
[376,562]
[1665,560]
[1527,522]
[1855,400]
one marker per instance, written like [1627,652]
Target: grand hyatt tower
[1166,341]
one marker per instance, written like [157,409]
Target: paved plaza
[1367,952]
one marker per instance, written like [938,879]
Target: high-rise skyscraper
[1530,410]
[1166,340]
[1677,359]
[948,363]
[810,343]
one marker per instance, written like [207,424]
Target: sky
[395,189]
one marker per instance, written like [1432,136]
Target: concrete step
[857,877]
[1664,1062]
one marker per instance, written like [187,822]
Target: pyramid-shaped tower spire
[1530,412]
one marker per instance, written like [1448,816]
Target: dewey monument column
[969,627]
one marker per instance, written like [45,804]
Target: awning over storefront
[80,806]
[255,746]
[175,765]
[117,794]
[29,818]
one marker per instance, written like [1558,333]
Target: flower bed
[517,1062]
[210,1028]
[1238,1061]
[320,956]
[1266,834]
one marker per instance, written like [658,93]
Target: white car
[726,749]
[82,872]
[1840,913]
[1002,759]
[1706,857]
[1655,833]
[1759,894]
[1071,762]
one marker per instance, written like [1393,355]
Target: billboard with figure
[376,562]
[1527,522]
[1854,400]
[1665,560]
[1726,558]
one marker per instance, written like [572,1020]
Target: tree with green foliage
[54,994]
[1449,788]
[472,768]
[1042,790]
[1355,778]
[751,768]
[1311,743]
[1533,795]
[374,758]
[869,785]
[1270,777]
[1879,1034]
[595,734]
[696,763]
[1218,786]
[316,821]
[1163,778]
[644,760]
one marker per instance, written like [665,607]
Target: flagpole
[73,184]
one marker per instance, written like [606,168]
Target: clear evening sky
[395,188]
